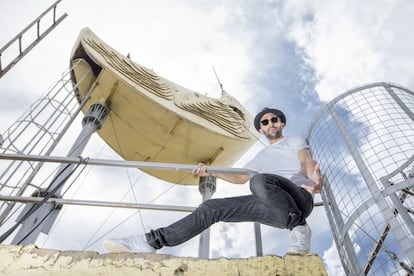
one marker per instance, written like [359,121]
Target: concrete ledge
[30,260]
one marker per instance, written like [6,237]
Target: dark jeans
[275,201]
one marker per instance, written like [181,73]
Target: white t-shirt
[281,158]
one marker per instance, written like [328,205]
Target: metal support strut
[207,187]
[35,218]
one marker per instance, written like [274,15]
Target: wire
[36,206]
[90,242]
[36,226]
[77,190]
[12,213]
[61,184]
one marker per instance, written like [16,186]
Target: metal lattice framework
[364,141]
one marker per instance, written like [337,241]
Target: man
[282,194]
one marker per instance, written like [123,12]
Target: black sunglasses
[265,122]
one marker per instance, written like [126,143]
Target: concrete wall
[29,260]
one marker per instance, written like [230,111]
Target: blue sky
[291,55]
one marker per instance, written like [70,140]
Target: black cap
[265,110]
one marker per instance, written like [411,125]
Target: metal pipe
[96,203]
[207,187]
[121,163]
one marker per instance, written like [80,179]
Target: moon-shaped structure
[154,119]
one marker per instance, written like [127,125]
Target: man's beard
[275,135]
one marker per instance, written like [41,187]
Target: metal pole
[258,236]
[96,203]
[207,187]
[42,218]
[121,163]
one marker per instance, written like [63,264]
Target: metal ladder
[18,39]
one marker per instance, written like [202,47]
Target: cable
[36,206]
[89,243]
[12,213]
[53,192]
[36,226]
[77,190]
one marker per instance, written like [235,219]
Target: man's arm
[201,170]
[311,170]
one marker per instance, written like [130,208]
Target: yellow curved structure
[154,119]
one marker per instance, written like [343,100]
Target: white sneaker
[135,243]
[301,237]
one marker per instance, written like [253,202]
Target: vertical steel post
[258,237]
[207,187]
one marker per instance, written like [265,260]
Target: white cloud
[231,240]
[178,40]
[351,43]
[332,262]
